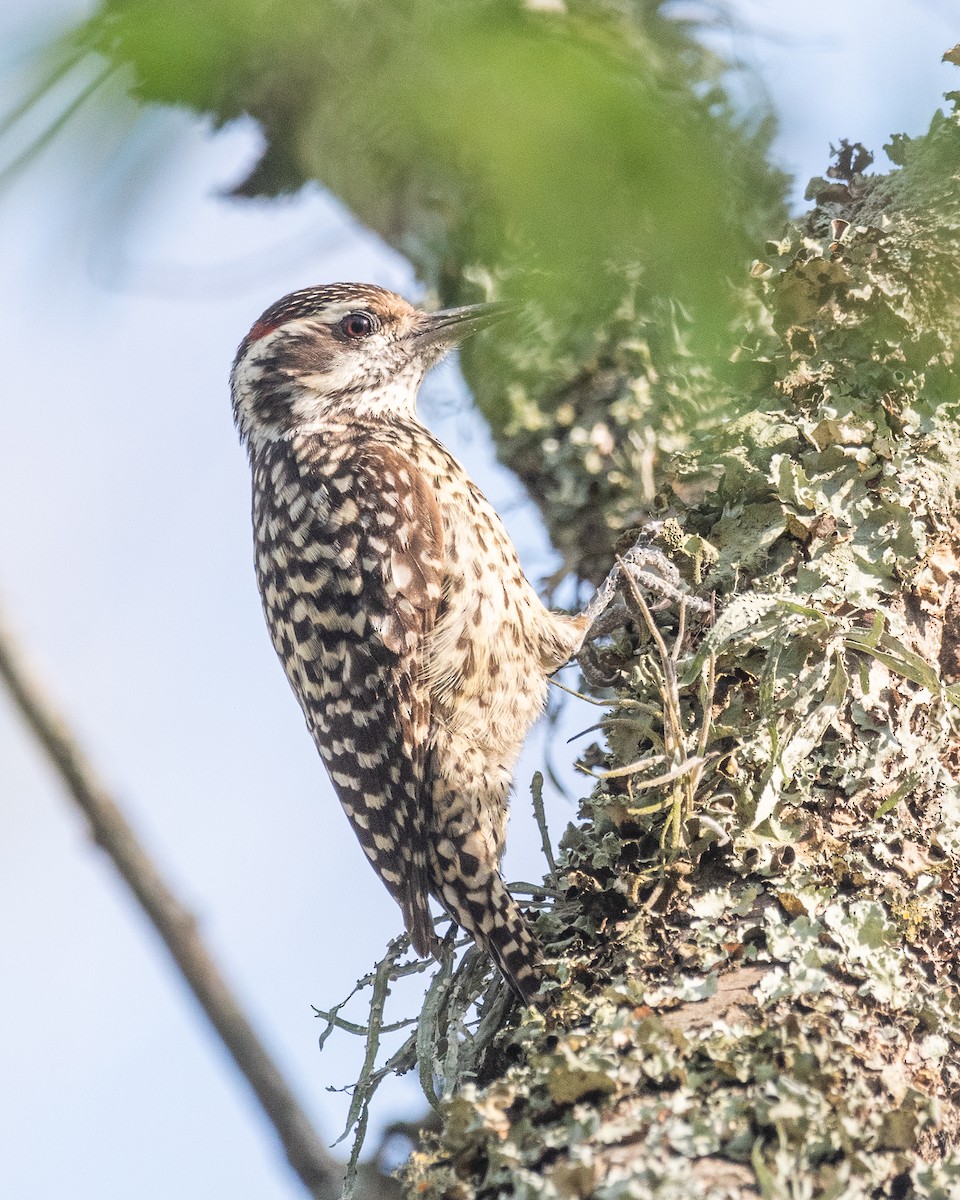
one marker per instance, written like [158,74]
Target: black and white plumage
[416,647]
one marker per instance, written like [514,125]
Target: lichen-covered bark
[754,981]
[775,1011]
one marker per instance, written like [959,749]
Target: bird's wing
[374,601]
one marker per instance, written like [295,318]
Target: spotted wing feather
[356,598]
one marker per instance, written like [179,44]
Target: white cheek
[317,388]
[350,382]
[343,374]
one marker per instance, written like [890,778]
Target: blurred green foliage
[582,156]
[547,142]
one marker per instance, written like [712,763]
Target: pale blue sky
[125,566]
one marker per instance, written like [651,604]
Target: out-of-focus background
[127,281]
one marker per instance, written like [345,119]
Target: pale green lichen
[772,1007]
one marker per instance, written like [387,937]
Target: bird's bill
[451,325]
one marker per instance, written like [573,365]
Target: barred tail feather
[488,912]
[511,944]
[415,903]
[419,922]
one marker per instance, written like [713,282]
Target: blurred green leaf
[552,146]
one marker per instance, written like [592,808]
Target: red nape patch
[260,329]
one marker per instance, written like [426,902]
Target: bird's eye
[358,325]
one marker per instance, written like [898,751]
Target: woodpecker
[416,647]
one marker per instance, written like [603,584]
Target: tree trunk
[755,989]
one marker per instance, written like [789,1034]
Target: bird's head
[340,351]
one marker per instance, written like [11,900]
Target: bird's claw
[648,569]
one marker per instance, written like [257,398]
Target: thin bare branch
[318,1170]
[536,792]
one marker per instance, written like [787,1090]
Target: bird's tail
[415,903]
[478,900]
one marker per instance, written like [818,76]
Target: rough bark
[754,982]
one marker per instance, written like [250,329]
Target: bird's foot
[641,569]
[650,570]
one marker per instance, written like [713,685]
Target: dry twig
[318,1170]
